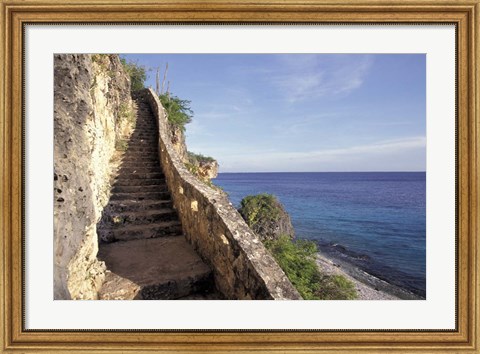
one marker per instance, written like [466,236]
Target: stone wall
[242,267]
[91,100]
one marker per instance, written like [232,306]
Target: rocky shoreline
[368,286]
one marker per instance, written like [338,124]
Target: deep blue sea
[373,220]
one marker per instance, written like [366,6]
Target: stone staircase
[142,244]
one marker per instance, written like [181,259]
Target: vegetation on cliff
[297,258]
[266,216]
[178,110]
[137,73]
[203,167]
[180,113]
[199,158]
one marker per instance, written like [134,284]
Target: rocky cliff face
[93,112]
[203,168]
[208,170]
[178,142]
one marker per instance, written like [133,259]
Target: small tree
[178,111]
[137,73]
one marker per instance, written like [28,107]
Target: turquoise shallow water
[373,220]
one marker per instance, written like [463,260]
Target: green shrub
[266,216]
[197,159]
[137,73]
[297,259]
[178,111]
[259,208]
[336,287]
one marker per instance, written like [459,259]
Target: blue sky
[302,112]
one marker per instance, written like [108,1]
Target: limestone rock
[91,98]
[204,167]
[208,170]
[178,142]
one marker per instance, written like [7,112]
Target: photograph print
[239,176]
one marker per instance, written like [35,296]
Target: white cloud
[311,77]
[381,147]
[382,155]
[288,127]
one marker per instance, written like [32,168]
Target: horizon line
[323,172]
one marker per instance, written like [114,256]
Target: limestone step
[132,174]
[136,170]
[144,132]
[129,167]
[141,196]
[140,157]
[145,153]
[146,127]
[139,217]
[144,135]
[135,140]
[145,179]
[146,149]
[139,164]
[154,267]
[140,189]
[144,142]
[152,144]
[136,232]
[151,141]
[145,119]
[147,122]
[132,205]
[150,132]
[115,287]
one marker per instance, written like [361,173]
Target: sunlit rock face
[92,112]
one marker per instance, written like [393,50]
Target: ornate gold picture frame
[463,14]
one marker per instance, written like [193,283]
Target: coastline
[368,287]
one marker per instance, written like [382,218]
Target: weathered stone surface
[88,100]
[177,139]
[242,267]
[207,170]
[163,268]
[117,288]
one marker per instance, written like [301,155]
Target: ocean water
[372,220]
